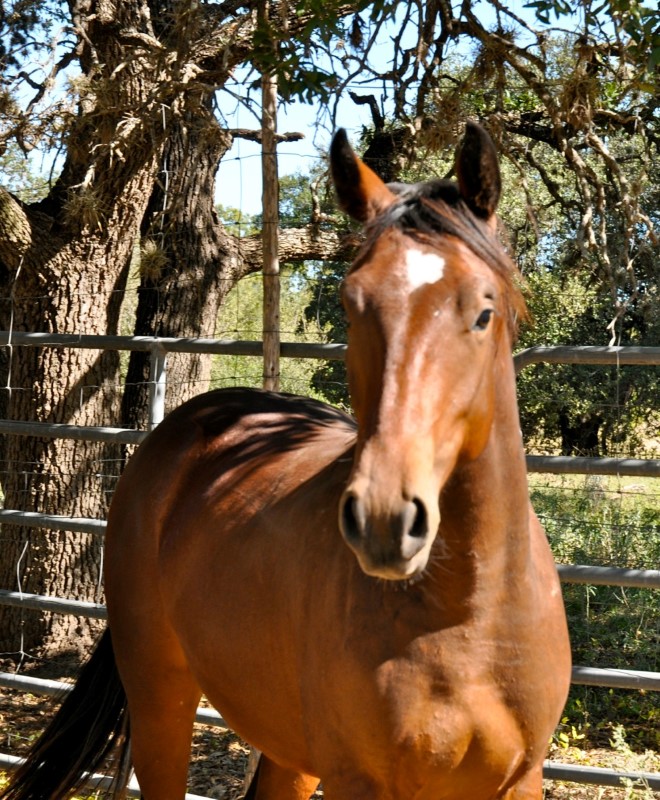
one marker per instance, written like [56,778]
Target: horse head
[431,307]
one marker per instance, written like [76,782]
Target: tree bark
[63,267]
[188,261]
[61,282]
[270,216]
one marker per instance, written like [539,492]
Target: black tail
[91,722]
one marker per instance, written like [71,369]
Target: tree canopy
[123,96]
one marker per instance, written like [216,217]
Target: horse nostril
[353,518]
[420,526]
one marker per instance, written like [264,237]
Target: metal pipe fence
[159,347]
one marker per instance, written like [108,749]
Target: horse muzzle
[392,540]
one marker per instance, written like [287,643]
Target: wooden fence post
[270,202]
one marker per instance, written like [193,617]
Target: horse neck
[485,505]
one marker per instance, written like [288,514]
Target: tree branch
[15,230]
[256,135]
[370,100]
[310,243]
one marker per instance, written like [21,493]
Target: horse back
[225,454]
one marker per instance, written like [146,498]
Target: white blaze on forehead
[422,268]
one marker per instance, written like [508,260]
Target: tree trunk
[61,284]
[63,268]
[188,262]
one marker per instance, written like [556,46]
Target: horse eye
[483,319]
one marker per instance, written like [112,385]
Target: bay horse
[371,603]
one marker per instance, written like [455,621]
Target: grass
[612,522]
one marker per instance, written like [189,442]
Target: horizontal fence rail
[581,676]
[159,347]
[58,430]
[93,781]
[33,519]
[58,605]
[582,465]
[50,688]
[574,773]
[624,355]
[616,678]
[609,576]
[621,356]
[568,573]
[168,344]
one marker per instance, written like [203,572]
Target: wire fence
[613,520]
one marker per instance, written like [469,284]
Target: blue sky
[239,176]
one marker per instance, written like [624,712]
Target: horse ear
[361,193]
[478,171]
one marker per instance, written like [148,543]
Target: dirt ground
[219,758]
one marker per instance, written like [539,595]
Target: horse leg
[161,720]
[162,700]
[161,735]
[274,782]
[529,787]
